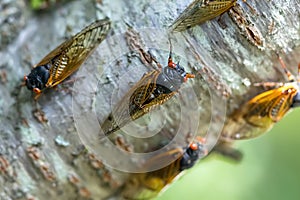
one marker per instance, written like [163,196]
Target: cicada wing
[138,101]
[273,104]
[143,98]
[264,110]
[227,150]
[137,112]
[158,179]
[131,103]
[163,159]
[142,90]
[67,57]
[147,185]
[199,12]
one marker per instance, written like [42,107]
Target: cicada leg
[72,80]
[226,150]
[153,59]
[221,22]
[290,76]
[298,72]
[66,86]
[268,85]
[24,81]
[171,64]
[36,96]
[250,7]
[202,141]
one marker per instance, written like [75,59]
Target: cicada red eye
[147,185]
[37,90]
[259,114]
[153,89]
[194,146]
[171,64]
[67,57]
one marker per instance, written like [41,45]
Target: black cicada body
[152,90]
[67,57]
[147,185]
[258,115]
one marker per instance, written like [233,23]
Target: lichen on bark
[34,164]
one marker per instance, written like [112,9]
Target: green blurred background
[270,169]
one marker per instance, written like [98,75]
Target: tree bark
[51,148]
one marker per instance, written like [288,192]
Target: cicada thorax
[259,114]
[37,78]
[200,11]
[67,57]
[131,105]
[152,90]
[147,185]
[146,97]
[162,87]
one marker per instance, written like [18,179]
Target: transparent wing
[142,99]
[148,185]
[265,109]
[200,11]
[143,89]
[272,104]
[137,102]
[67,57]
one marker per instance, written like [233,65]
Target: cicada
[265,109]
[200,11]
[66,58]
[258,115]
[153,89]
[148,185]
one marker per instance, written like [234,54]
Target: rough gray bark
[43,157]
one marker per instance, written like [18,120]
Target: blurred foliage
[44,4]
[269,169]
[38,4]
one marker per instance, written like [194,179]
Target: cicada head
[296,100]
[37,79]
[192,155]
[174,75]
[179,70]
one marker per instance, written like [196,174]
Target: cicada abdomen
[153,89]
[67,57]
[200,11]
[147,185]
[258,115]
